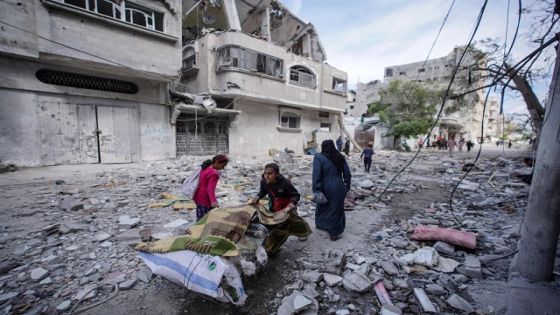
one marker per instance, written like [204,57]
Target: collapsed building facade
[116,81]
[266,70]
[461,120]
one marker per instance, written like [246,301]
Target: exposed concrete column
[232,16]
[265,24]
[344,131]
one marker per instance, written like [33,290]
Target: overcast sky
[362,37]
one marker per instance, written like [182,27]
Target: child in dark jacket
[367,154]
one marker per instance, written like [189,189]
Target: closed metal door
[113,124]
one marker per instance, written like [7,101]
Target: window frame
[90,7]
[302,72]
[247,60]
[336,82]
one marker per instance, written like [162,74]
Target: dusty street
[63,232]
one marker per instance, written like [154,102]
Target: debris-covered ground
[67,229]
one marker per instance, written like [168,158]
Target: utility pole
[539,233]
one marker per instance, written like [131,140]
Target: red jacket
[205,195]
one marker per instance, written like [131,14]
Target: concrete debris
[176,223]
[472,267]
[64,306]
[332,280]
[102,236]
[312,276]
[342,312]
[389,268]
[301,302]
[79,234]
[426,256]
[388,309]
[444,248]
[446,265]
[459,303]
[297,303]
[127,220]
[8,296]
[356,282]
[127,285]
[424,301]
[39,274]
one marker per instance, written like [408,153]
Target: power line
[455,70]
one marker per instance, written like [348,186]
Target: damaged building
[116,81]
[462,120]
[86,81]
[265,69]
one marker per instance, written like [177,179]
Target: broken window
[289,120]
[300,75]
[239,57]
[324,114]
[339,85]
[325,127]
[421,70]
[389,72]
[122,10]
[189,57]
[402,73]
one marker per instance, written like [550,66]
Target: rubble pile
[71,239]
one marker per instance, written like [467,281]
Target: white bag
[190,184]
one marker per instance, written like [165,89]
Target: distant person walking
[339,144]
[461,143]
[331,176]
[205,195]
[347,147]
[367,155]
[451,145]
[509,144]
[470,145]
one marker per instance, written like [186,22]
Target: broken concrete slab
[288,304]
[388,309]
[8,296]
[426,256]
[102,236]
[446,265]
[127,220]
[331,280]
[389,268]
[472,267]
[424,301]
[127,285]
[444,248]
[64,306]
[356,282]
[459,303]
[39,274]
[176,223]
[301,302]
[312,276]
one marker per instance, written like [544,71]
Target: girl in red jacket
[205,195]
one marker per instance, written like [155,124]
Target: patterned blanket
[217,233]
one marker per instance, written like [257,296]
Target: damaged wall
[255,84]
[255,131]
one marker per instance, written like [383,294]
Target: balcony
[234,64]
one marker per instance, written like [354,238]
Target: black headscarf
[329,150]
